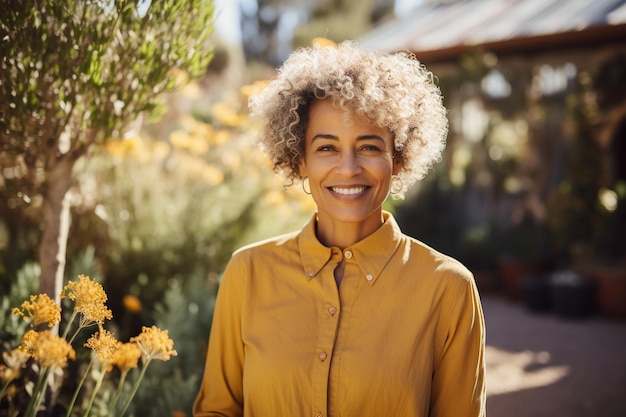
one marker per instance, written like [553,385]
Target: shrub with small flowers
[48,353]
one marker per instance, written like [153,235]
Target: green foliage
[26,283]
[89,66]
[574,209]
[76,73]
[187,312]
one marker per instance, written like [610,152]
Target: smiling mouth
[348,191]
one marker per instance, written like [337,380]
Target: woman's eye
[326,148]
[370,148]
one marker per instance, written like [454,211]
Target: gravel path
[542,365]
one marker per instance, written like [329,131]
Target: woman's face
[349,165]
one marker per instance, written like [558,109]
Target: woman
[348,316]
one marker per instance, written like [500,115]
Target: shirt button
[369,277]
[323,356]
[332,310]
[319,415]
[348,254]
[310,274]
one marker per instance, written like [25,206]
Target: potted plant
[571,294]
[525,253]
[587,211]
[608,268]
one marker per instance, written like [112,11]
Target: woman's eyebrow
[324,136]
[370,137]
[333,137]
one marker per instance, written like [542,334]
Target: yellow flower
[126,357]
[220,137]
[104,344]
[211,174]
[154,344]
[49,349]
[160,150]
[322,43]
[132,303]
[29,342]
[15,361]
[40,309]
[120,147]
[89,297]
[254,88]
[226,115]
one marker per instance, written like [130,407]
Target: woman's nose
[348,164]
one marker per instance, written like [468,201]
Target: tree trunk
[56,225]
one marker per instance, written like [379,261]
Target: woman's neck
[333,233]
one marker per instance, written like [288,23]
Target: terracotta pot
[611,291]
[512,271]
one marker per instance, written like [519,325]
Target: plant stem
[4,388]
[95,390]
[134,391]
[78,388]
[38,393]
[118,392]
[69,324]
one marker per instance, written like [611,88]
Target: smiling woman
[347,316]
[349,163]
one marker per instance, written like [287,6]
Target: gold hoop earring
[304,188]
[397,186]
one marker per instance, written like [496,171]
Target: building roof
[443,30]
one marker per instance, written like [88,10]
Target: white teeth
[348,191]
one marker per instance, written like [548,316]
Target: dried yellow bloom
[154,344]
[47,348]
[15,361]
[126,357]
[254,88]
[227,115]
[89,297]
[323,43]
[29,341]
[132,303]
[40,309]
[104,344]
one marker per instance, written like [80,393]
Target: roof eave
[589,37]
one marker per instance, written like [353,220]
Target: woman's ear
[302,167]
[397,164]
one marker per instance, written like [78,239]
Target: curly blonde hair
[390,90]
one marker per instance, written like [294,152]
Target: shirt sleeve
[221,392]
[458,387]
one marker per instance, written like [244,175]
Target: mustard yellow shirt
[402,336]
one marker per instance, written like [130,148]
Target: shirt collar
[371,254]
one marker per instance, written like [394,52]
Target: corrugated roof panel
[433,27]
[617,15]
[508,25]
[561,17]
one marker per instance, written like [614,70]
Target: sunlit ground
[510,371]
[543,365]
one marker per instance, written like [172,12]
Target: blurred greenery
[75,74]
[155,220]
[156,215]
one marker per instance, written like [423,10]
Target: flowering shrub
[48,353]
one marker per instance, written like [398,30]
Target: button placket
[326,334]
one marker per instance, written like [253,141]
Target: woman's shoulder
[436,261]
[267,246]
